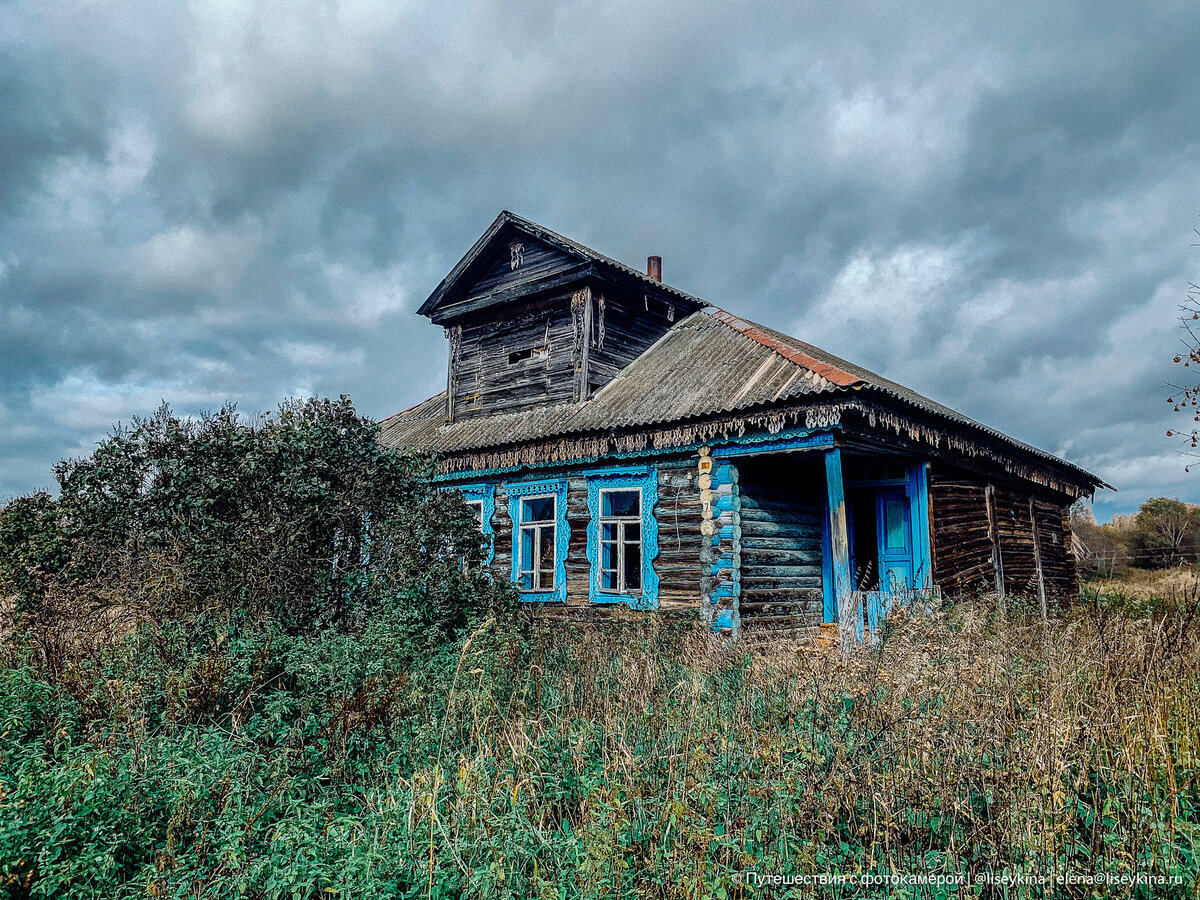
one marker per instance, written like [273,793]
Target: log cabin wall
[679,539]
[623,327]
[781,544]
[1014,530]
[677,513]
[984,538]
[962,537]
[521,361]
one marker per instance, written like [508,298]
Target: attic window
[531,353]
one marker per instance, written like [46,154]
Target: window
[476,507]
[481,499]
[621,541]
[623,537]
[536,544]
[540,537]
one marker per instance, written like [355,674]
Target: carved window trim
[562,536]
[647,483]
[485,495]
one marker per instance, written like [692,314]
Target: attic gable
[516,257]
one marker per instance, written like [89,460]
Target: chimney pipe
[654,267]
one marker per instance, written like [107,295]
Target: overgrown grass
[636,760]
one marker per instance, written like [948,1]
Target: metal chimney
[654,267]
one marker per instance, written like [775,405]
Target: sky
[995,204]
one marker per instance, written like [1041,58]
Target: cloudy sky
[234,201]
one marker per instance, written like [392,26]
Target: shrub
[300,516]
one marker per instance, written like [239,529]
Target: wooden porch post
[989,496]
[850,627]
[1037,558]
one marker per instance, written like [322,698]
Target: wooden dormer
[535,319]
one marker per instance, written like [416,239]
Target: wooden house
[630,446]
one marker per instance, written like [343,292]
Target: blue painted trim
[797,443]
[485,494]
[647,482]
[562,536]
[919,517]
[782,436]
[841,576]
[827,598]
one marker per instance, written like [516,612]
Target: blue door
[893,519]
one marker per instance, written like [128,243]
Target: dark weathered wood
[780,511]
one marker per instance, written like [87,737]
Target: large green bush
[301,517]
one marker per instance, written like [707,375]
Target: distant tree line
[1163,533]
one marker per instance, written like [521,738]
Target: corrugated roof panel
[709,363]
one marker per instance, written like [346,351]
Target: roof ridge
[828,371]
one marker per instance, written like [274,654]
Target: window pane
[546,562]
[525,582]
[608,555]
[525,560]
[476,507]
[893,513]
[633,531]
[620,503]
[537,509]
[608,531]
[633,567]
[608,580]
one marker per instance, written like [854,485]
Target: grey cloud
[234,202]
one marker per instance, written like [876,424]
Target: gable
[524,259]
[517,258]
[513,265]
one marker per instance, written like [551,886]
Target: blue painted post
[720,586]
[922,557]
[839,543]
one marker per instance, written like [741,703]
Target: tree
[300,516]
[1166,531]
[1105,548]
[1186,397]
[33,552]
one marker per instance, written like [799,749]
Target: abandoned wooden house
[627,445]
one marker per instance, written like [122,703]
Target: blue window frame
[540,538]
[623,538]
[482,499]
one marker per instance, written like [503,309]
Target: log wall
[677,564]
[984,538]
[483,378]
[781,544]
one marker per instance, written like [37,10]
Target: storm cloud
[232,201]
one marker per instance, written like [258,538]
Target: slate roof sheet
[710,363]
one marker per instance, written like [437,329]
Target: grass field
[639,760]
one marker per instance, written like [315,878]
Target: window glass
[545,558]
[893,513]
[633,566]
[620,541]
[620,503]
[537,509]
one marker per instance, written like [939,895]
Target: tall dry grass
[967,743]
[636,759]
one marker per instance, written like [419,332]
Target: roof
[710,363]
[443,293]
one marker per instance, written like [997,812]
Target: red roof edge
[825,370]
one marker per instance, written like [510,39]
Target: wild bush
[300,517]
